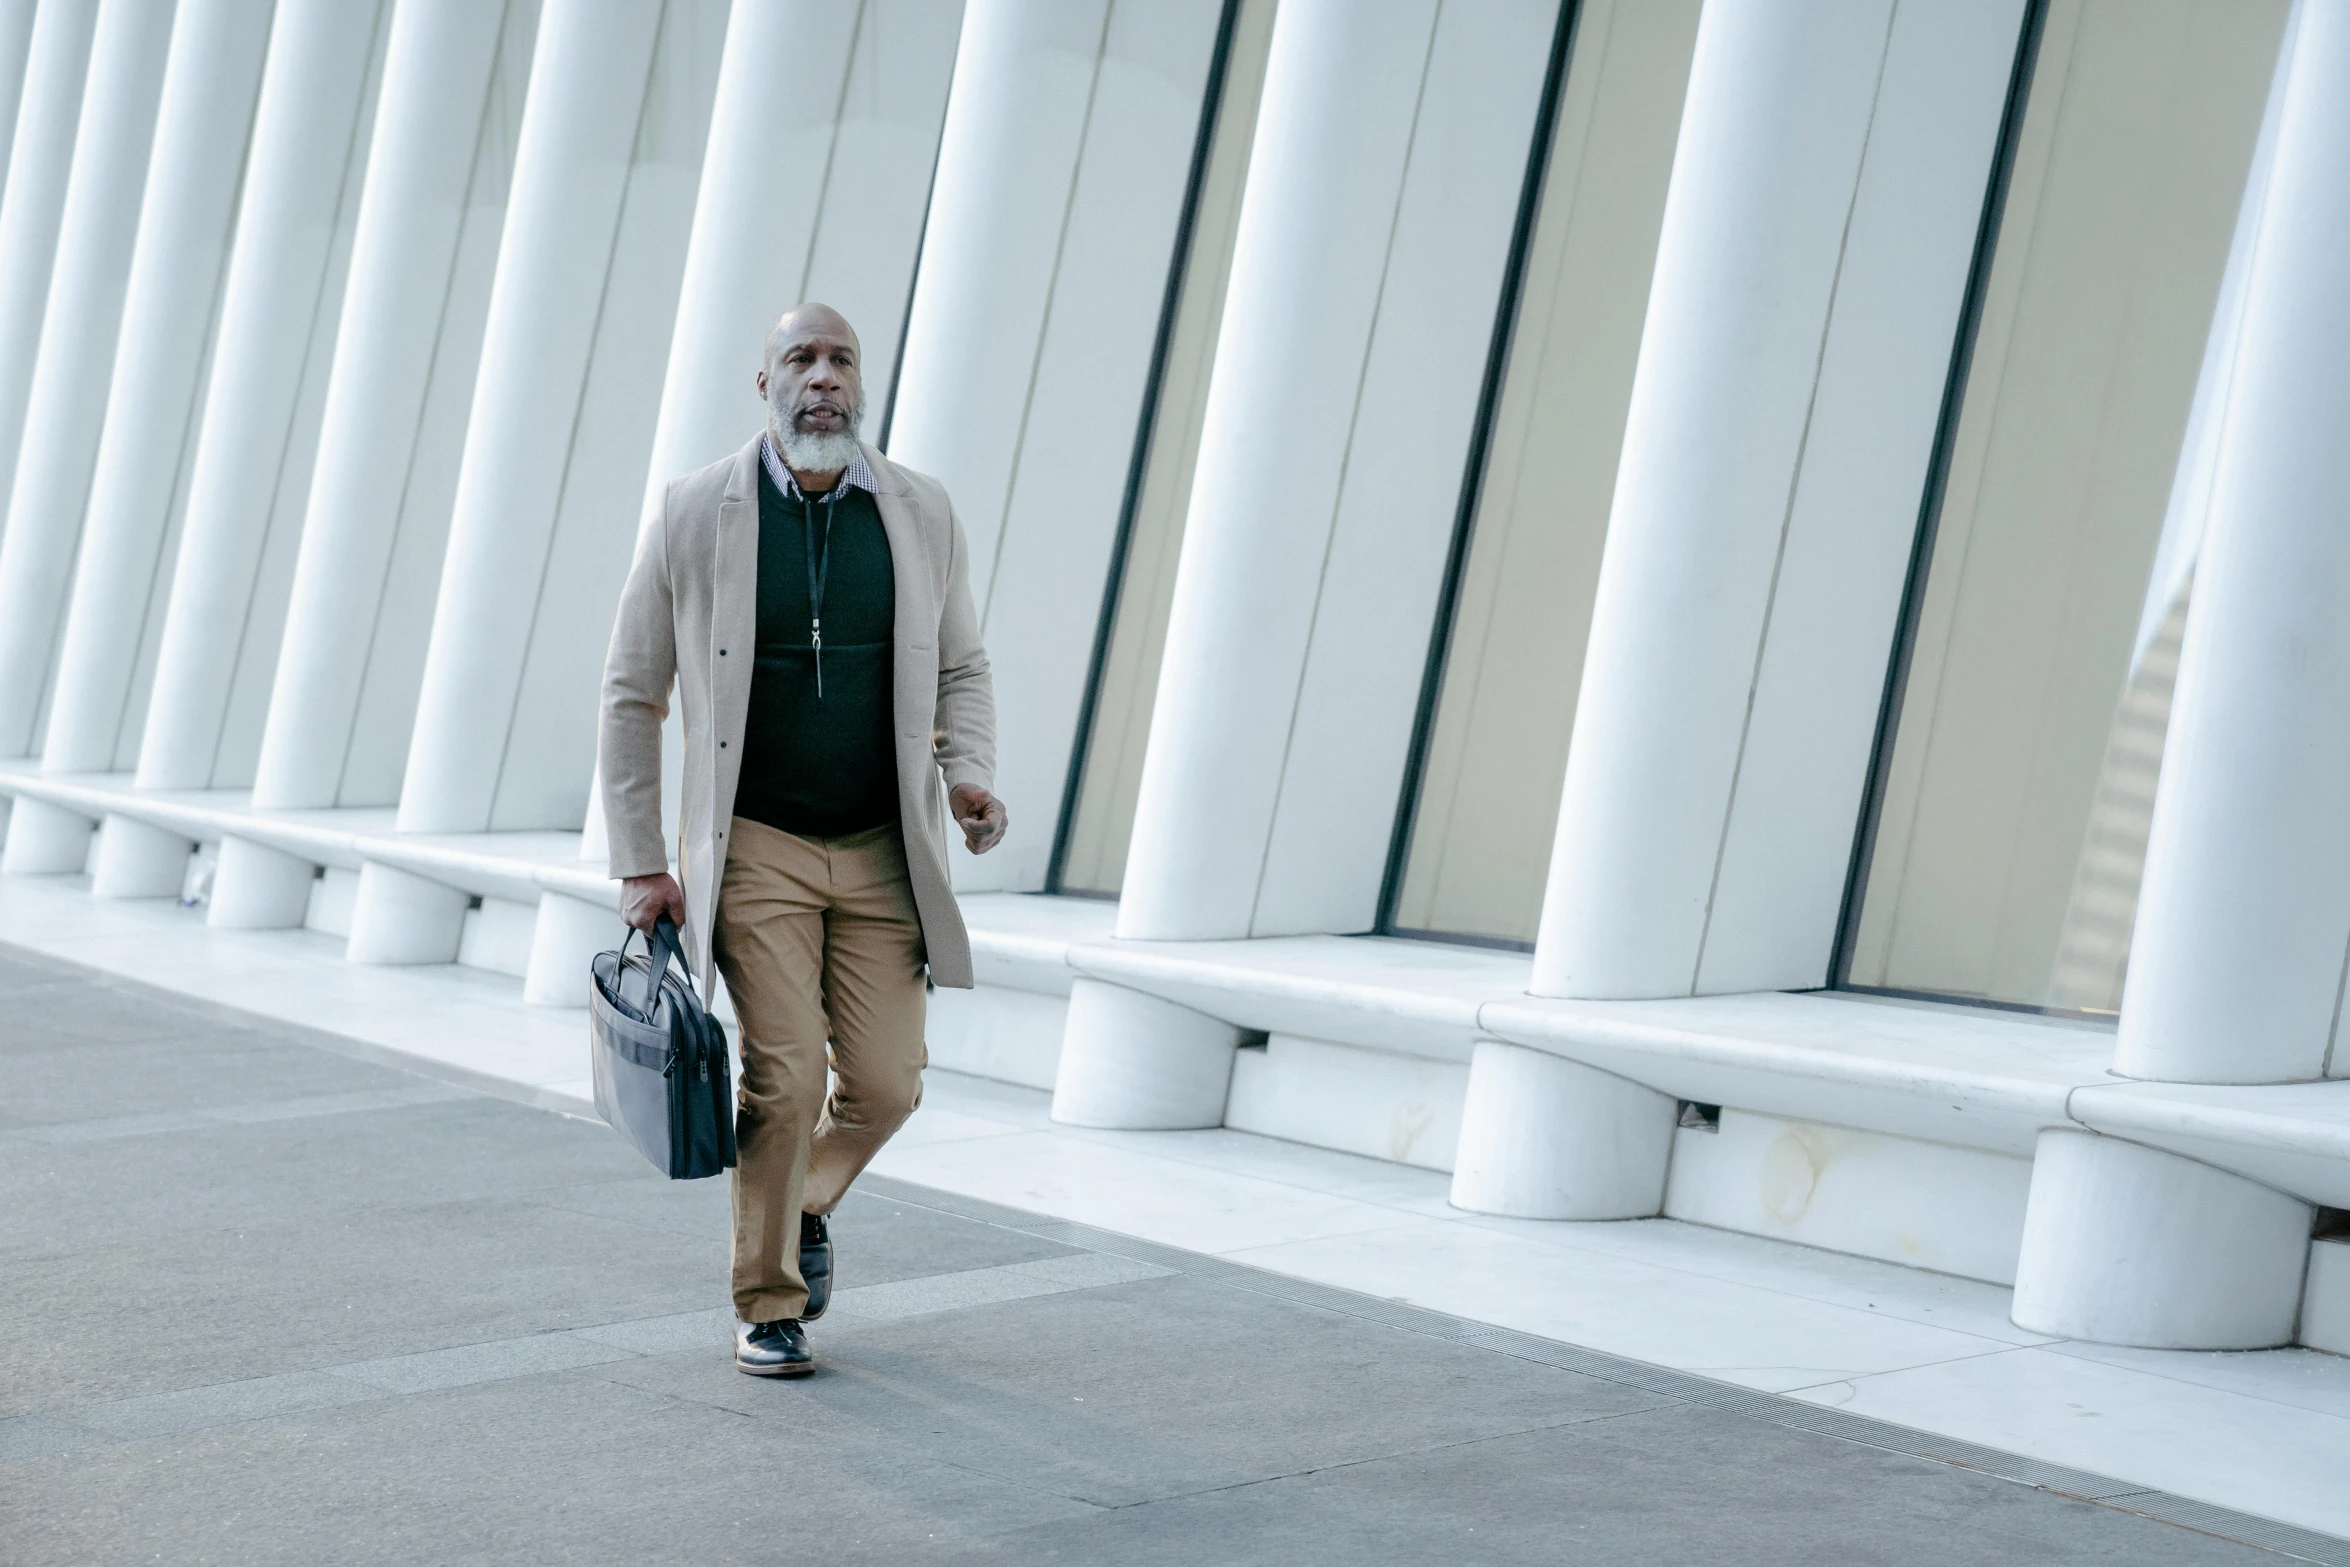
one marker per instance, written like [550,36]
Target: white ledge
[515,865]
[1948,1073]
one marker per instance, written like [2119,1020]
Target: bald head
[813,381]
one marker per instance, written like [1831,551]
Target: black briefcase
[660,1059]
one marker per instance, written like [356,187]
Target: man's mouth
[822,413]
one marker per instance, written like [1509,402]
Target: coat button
[722,652]
[721,745]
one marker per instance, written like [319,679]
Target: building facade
[1726,608]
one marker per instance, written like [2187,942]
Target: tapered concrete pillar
[45,840]
[255,887]
[66,399]
[400,917]
[40,162]
[313,93]
[564,940]
[2244,912]
[138,860]
[1275,590]
[1826,190]
[424,153]
[16,44]
[209,87]
[588,82]
[1373,123]
[1547,1138]
[2125,1244]
[1131,1060]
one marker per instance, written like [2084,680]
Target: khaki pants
[818,939]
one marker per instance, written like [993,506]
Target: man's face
[813,382]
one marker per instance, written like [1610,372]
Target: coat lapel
[734,616]
[913,621]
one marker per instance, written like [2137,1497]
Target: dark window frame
[1456,560]
[1154,385]
[1921,556]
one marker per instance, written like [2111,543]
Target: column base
[1138,1063]
[136,860]
[564,940]
[256,887]
[45,840]
[399,917]
[1547,1138]
[2125,1244]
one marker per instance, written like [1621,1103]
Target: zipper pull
[816,640]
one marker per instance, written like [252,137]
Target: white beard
[806,453]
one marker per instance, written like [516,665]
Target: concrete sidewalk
[263,1302]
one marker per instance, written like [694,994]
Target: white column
[2243,920]
[571,170]
[756,215]
[40,162]
[45,839]
[66,401]
[420,168]
[564,939]
[400,917]
[16,45]
[311,95]
[1142,1063]
[138,860]
[1061,176]
[1810,269]
[1547,1138]
[209,86]
[2125,1244]
[755,221]
[255,887]
[802,196]
[1317,239]
[1383,184]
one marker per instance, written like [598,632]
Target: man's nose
[824,377]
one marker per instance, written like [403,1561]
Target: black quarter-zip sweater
[821,764]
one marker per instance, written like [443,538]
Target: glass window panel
[2012,824]
[1488,790]
[1094,859]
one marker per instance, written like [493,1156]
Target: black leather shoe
[815,1264]
[772,1349]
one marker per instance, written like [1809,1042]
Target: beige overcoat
[689,615]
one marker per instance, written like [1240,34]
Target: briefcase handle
[661,945]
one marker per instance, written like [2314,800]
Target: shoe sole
[776,1371]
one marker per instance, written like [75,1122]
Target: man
[811,600]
